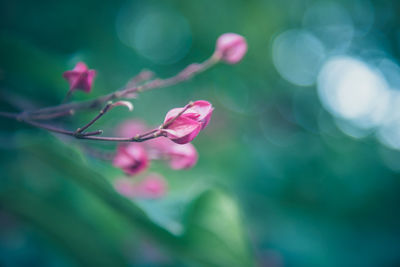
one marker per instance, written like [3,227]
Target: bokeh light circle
[162,36]
[331,23]
[297,56]
[350,89]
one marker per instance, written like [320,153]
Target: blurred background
[298,167]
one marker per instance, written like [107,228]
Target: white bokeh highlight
[352,90]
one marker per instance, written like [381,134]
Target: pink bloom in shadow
[231,48]
[80,78]
[124,186]
[131,158]
[152,186]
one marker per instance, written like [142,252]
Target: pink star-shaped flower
[80,78]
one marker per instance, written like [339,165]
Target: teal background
[273,186]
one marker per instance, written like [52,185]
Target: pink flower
[131,158]
[152,186]
[178,156]
[80,78]
[183,130]
[188,125]
[131,128]
[124,186]
[182,156]
[231,47]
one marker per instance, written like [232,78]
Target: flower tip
[126,104]
[230,48]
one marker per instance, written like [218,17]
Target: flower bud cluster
[171,141]
[134,160]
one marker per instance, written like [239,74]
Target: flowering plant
[180,126]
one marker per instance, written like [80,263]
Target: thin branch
[143,76]
[49,127]
[30,117]
[67,96]
[101,113]
[98,132]
[184,75]
[87,136]
[155,133]
[53,115]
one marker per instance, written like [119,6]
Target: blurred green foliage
[277,183]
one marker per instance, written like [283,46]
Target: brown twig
[53,115]
[101,113]
[155,133]
[31,117]
[184,75]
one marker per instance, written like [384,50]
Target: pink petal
[204,109]
[200,111]
[182,156]
[80,67]
[174,112]
[152,186]
[231,47]
[124,186]
[80,78]
[131,158]
[183,130]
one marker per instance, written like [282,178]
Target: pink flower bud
[182,156]
[80,78]
[231,48]
[188,125]
[131,158]
[200,111]
[152,186]
[183,130]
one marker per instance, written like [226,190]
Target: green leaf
[67,229]
[215,232]
[213,237]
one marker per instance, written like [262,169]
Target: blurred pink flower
[131,128]
[80,78]
[178,156]
[231,47]
[182,156]
[187,126]
[152,186]
[124,186]
[131,158]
